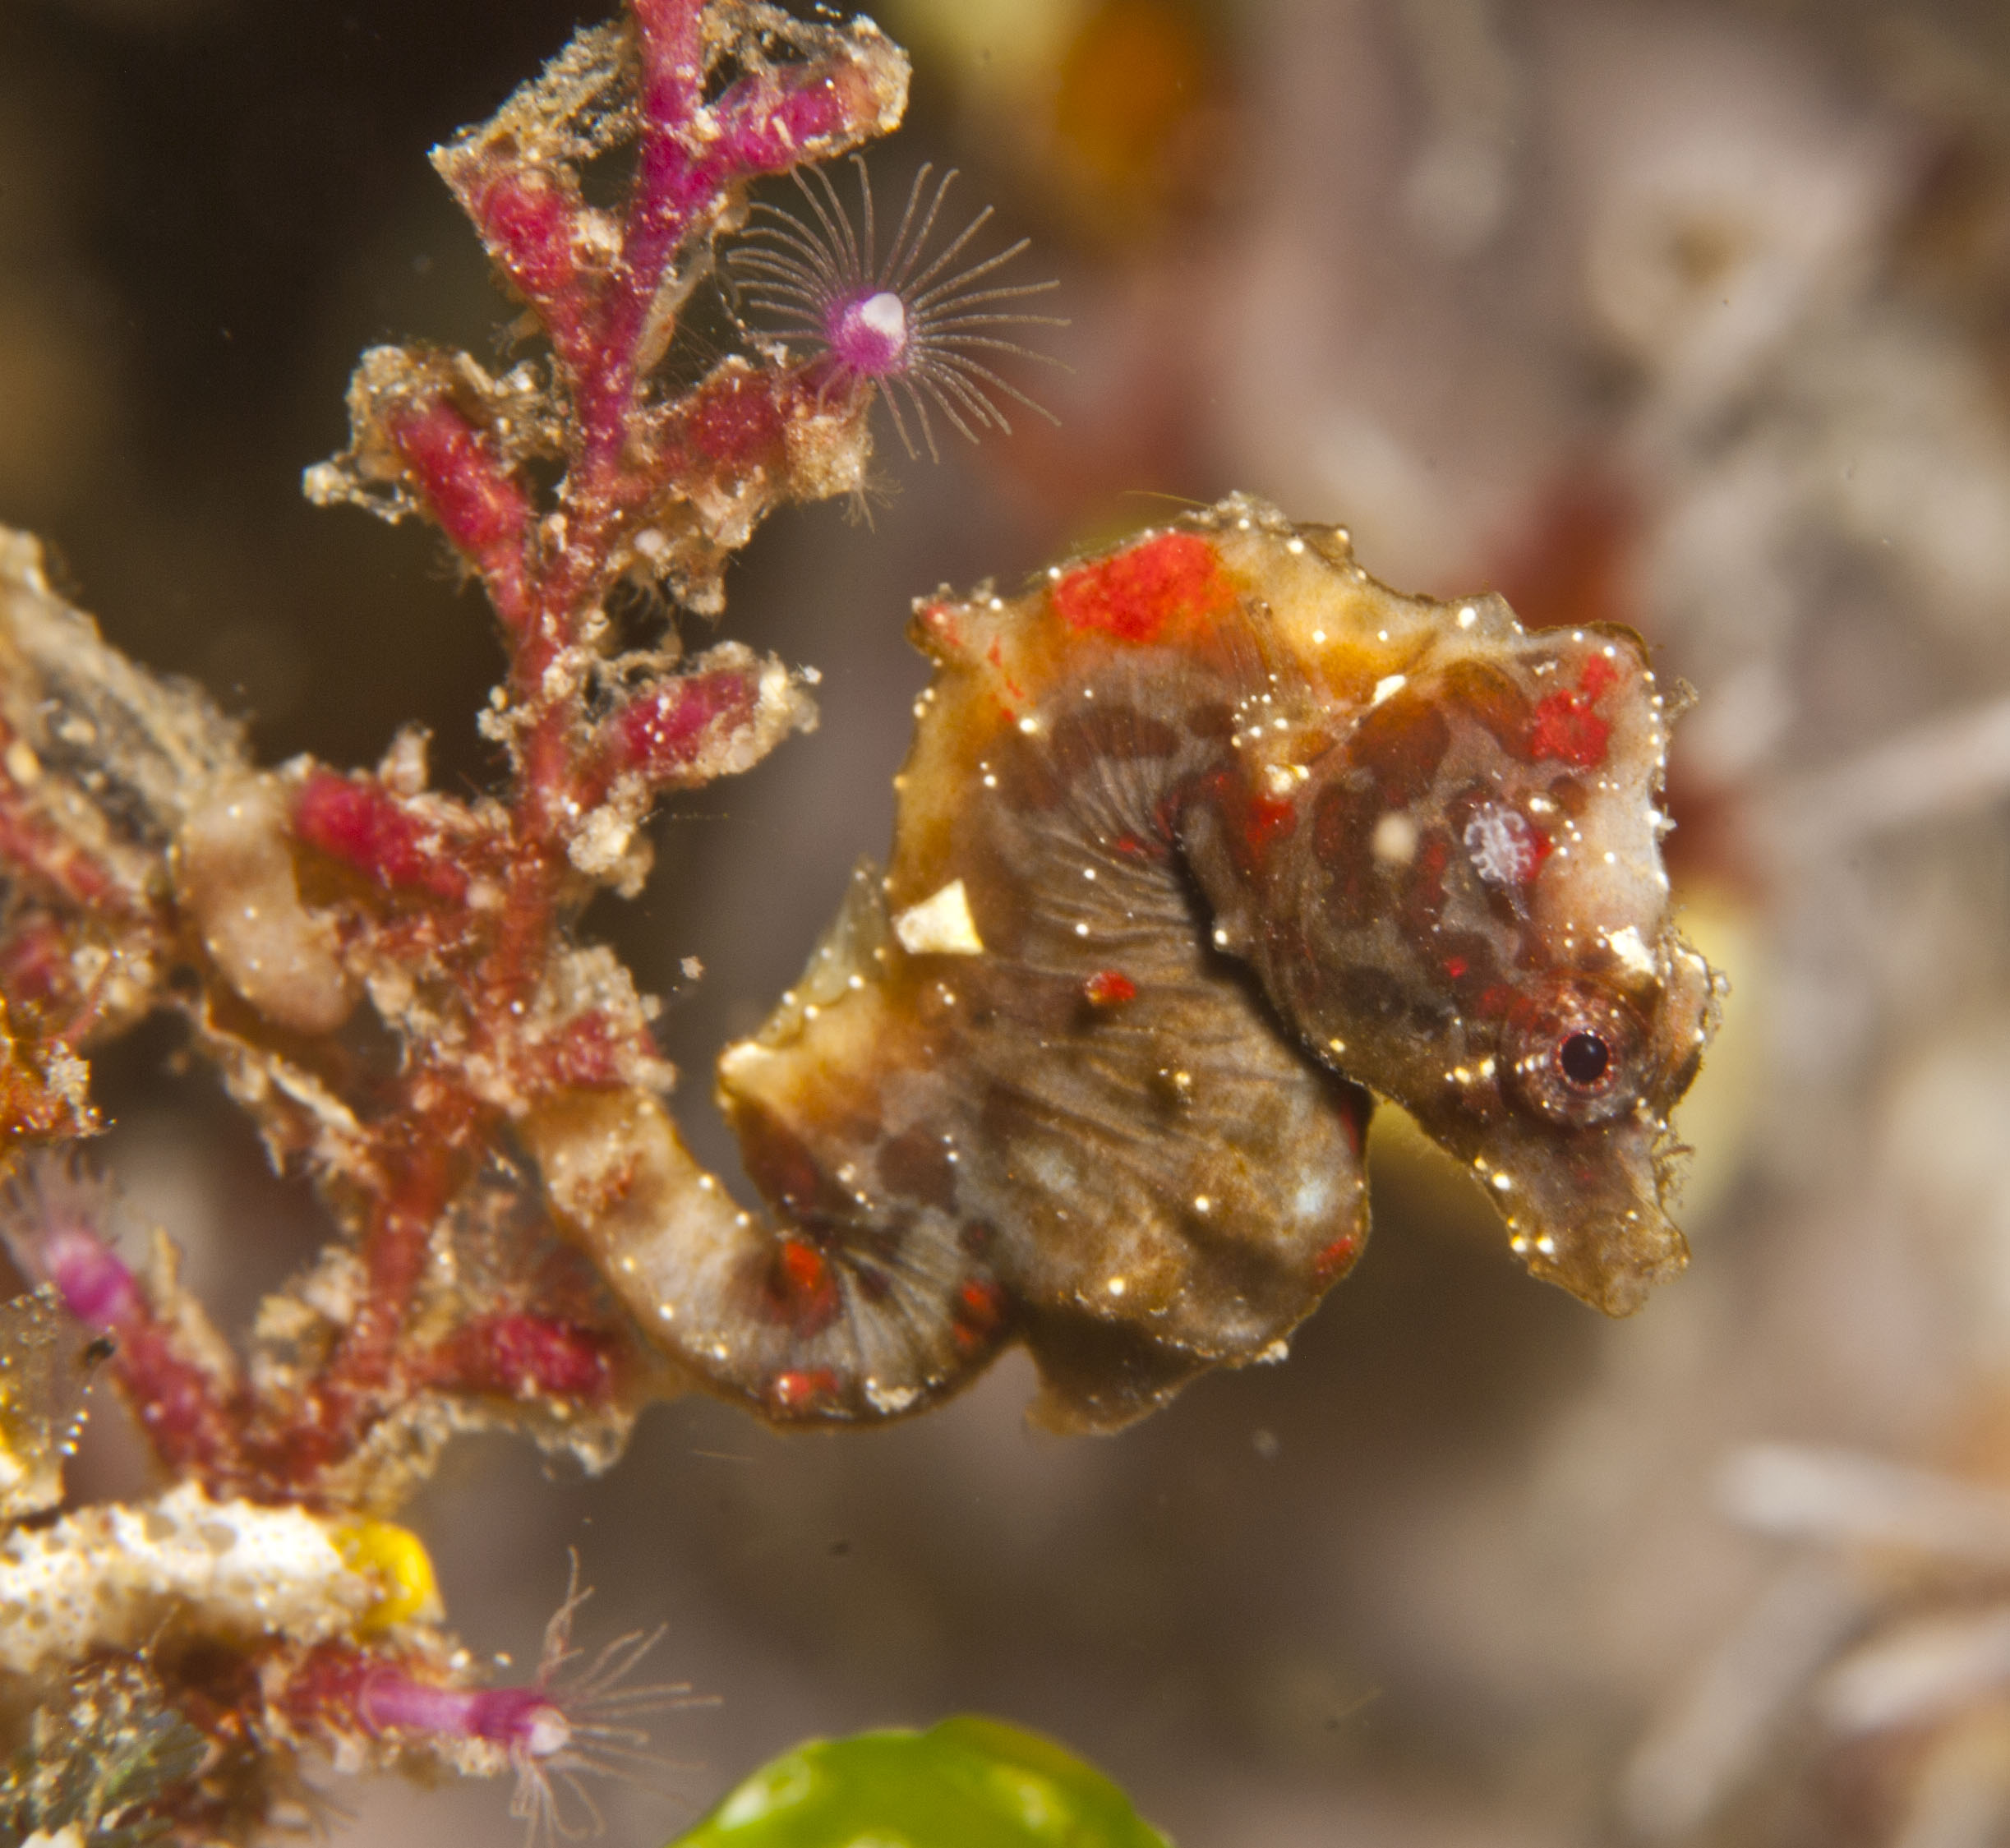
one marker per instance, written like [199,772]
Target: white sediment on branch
[234,872]
[115,1577]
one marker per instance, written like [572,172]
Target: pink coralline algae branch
[150,864]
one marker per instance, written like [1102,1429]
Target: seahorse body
[1195,841]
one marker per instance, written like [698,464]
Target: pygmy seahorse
[1201,843]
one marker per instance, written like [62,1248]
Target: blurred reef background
[1693,316]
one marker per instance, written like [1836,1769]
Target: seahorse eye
[1584,1057]
[1575,1052]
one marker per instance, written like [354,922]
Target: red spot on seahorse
[1599,674]
[995,654]
[1564,726]
[1254,822]
[801,1290]
[1108,987]
[803,1388]
[938,619]
[1134,594]
[1335,1259]
[980,1309]
[1267,819]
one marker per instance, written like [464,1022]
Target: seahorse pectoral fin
[1173,1185]
[1096,1377]
[1179,1282]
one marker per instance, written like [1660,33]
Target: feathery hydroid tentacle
[901,322]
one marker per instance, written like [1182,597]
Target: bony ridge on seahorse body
[1200,842]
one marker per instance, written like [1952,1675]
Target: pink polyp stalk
[94,1283]
[51,1228]
[523,1721]
[360,823]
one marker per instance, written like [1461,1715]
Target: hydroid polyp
[914,325]
[569,1724]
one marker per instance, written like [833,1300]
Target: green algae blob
[967,1783]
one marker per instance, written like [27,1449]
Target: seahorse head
[1466,908]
